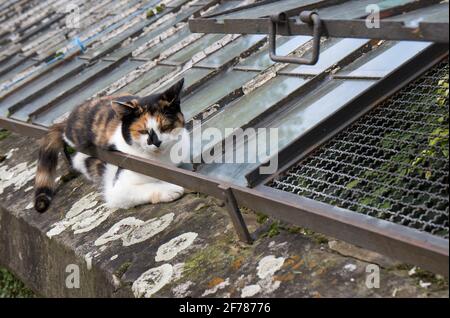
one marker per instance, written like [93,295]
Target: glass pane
[147,79]
[39,83]
[332,51]
[85,93]
[286,45]
[17,69]
[59,88]
[382,61]
[160,47]
[304,115]
[191,76]
[266,10]
[249,106]
[154,51]
[231,50]
[224,84]
[189,51]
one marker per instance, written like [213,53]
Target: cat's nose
[153,139]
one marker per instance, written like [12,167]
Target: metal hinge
[309,17]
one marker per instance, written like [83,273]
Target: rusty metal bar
[308,17]
[391,29]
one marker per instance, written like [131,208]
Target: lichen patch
[269,265]
[132,230]
[152,281]
[171,249]
[250,291]
[17,176]
[83,216]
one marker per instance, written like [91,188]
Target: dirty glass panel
[156,32]
[222,85]
[436,13]
[302,116]
[38,84]
[332,51]
[357,8]
[85,93]
[246,108]
[191,76]
[189,51]
[160,47]
[227,5]
[286,45]
[384,60]
[231,50]
[147,79]
[266,10]
[59,88]
[124,33]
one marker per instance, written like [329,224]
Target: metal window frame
[391,29]
[406,244]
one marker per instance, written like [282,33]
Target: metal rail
[405,244]
[392,25]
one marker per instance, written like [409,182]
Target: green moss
[215,258]
[150,13]
[274,229]
[11,287]
[4,134]
[122,269]
[261,218]
[429,277]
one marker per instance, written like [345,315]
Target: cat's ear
[124,106]
[173,93]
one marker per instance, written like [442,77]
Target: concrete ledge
[185,248]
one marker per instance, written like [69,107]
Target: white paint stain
[83,216]
[88,259]
[269,285]
[269,265]
[178,270]
[424,284]
[350,267]
[132,231]
[216,288]
[149,229]
[250,291]
[119,230]
[114,257]
[151,281]
[17,176]
[182,290]
[171,249]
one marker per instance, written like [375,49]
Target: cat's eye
[143,132]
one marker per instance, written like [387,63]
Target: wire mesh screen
[392,164]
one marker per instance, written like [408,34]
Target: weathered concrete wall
[185,248]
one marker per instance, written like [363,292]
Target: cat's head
[152,122]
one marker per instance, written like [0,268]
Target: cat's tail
[44,185]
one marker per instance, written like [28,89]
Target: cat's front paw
[169,194]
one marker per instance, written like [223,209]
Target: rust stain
[215,281]
[284,278]
[237,264]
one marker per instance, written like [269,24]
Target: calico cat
[146,127]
